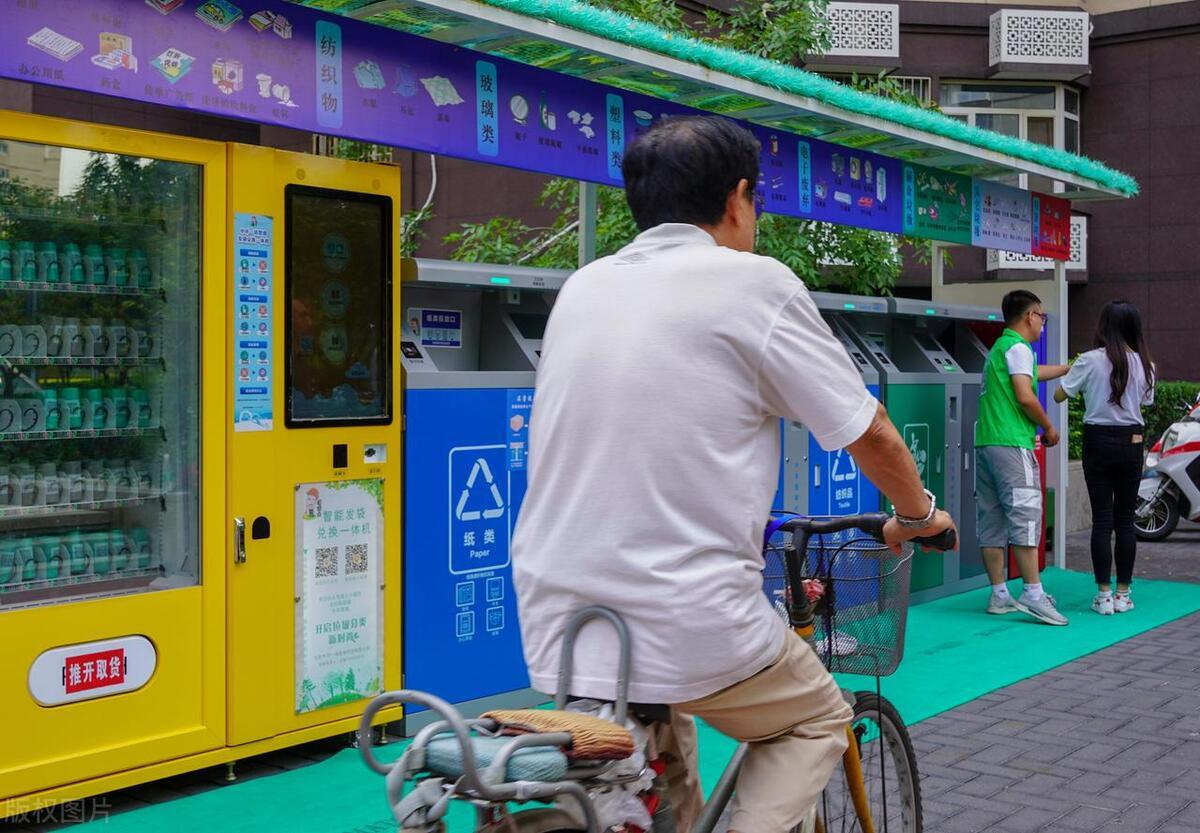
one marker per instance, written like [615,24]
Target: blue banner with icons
[285,64]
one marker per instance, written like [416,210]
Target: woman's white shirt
[1091,374]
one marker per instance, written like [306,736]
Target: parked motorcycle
[1170,487]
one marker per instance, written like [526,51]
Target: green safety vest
[1002,421]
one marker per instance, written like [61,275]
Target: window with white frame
[918,86]
[1047,114]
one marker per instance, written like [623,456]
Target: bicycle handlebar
[800,609]
[871,523]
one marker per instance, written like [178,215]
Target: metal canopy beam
[489,29]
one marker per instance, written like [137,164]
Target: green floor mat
[955,653]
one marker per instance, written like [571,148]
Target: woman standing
[1116,379]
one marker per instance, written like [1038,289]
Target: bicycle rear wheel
[540,820]
[889,767]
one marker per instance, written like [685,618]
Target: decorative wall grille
[1028,36]
[863,29]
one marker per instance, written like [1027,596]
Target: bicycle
[854,617]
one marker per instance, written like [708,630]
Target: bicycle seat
[592,738]
[443,756]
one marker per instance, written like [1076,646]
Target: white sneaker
[1122,603]
[1042,609]
[1103,604]
[998,606]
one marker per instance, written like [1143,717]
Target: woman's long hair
[1118,333]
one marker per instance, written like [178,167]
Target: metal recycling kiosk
[962,333]
[813,481]
[923,393]
[470,347]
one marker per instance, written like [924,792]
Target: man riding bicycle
[654,457]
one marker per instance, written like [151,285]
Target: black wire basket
[860,601]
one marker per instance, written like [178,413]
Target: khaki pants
[794,718]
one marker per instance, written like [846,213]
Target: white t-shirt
[654,458]
[1020,359]
[1091,374]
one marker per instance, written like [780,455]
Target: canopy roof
[577,39]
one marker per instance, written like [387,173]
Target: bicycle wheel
[541,820]
[893,787]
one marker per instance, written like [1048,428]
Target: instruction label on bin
[253,322]
[479,504]
[435,327]
[520,406]
[845,484]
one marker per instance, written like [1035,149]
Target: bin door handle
[239,540]
[816,477]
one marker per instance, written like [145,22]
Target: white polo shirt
[654,458]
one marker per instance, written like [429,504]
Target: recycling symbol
[921,455]
[480,468]
[844,468]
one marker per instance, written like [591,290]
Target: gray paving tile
[1078,748]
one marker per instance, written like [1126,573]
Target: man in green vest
[1007,481]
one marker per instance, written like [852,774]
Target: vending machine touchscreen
[338,300]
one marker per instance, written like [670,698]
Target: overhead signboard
[284,64]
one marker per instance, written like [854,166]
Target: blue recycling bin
[465,477]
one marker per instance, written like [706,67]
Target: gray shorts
[1008,497]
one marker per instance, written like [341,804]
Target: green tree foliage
[860,261]
[779,30]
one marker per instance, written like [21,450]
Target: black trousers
[1112,467]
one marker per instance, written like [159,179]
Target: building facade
[1113,80]
[1117,82]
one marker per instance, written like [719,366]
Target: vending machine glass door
[99,404]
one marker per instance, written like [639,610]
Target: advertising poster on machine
[339,577]
[1000,217]
[937,204]
[1051,227]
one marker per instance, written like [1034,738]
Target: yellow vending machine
[200,453]
[314,443]
[112,453]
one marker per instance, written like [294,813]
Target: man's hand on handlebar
[894,534]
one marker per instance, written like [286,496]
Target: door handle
[239,540]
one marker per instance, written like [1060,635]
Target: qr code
[327,562]
[356,558]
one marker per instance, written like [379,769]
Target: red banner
[1051,227]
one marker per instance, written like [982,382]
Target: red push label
[102,669]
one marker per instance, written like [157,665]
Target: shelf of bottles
[99,383]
